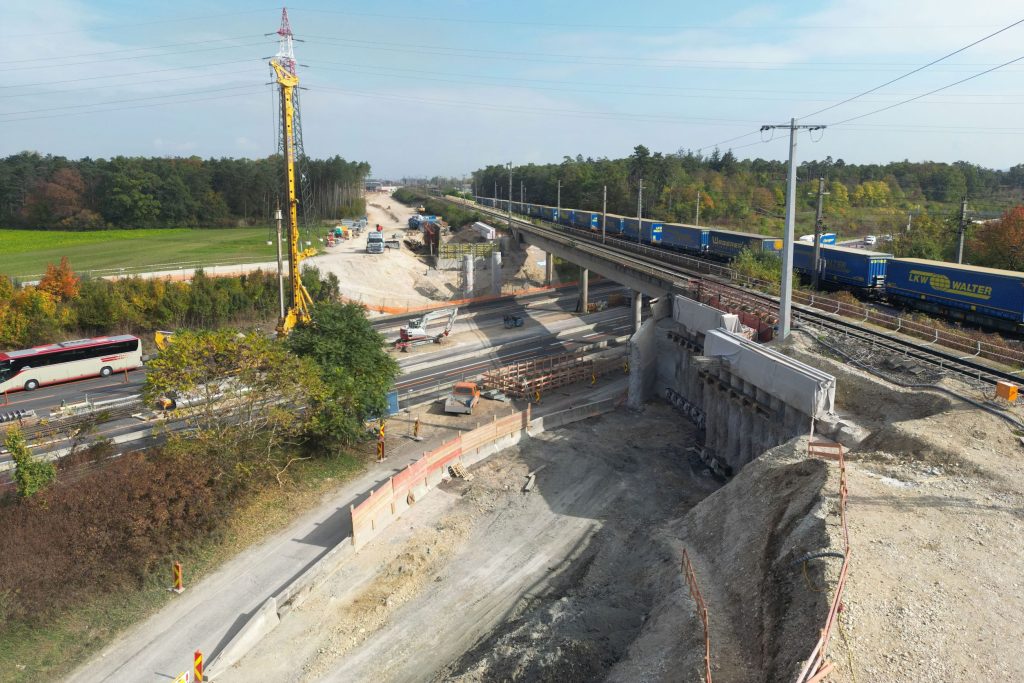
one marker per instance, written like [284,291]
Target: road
[480,343]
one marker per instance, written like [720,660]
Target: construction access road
[481,581]
[209,613]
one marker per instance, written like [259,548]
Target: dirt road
[485,582]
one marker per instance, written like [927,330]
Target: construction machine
[462,399]
[283,65]
[415,333]
[163,338]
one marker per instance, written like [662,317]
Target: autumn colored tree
[1000,244]
[60,281]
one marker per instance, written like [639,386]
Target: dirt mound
[746,541]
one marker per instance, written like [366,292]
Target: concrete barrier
[401,491]
[574,414]
[263,621]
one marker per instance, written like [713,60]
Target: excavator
[415,333]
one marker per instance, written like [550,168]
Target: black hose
[818,555]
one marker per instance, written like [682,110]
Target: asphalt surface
[546,315]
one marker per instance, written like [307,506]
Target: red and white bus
[67,361]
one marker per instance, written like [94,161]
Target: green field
[25,253]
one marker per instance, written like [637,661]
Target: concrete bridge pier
[549,268]
[584,289]
[467,268]
[638,302]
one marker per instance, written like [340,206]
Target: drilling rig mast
[283,65]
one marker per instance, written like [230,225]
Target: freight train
[986,297]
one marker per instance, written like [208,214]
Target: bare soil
[936,518]
[485,582]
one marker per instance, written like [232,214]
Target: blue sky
[423,88]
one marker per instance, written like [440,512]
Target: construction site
[717,498]
[651,472]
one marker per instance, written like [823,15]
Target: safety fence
[411,484]
[527,379]
[967,345]
[817,667]
[702,612]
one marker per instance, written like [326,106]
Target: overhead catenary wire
[914,71]
[930,92]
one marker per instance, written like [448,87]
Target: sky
[442,88]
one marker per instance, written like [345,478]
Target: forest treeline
[64,304]
[749,194]
[51,192]
[748,190]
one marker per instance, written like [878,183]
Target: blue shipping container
[842,265]
[970,289]
[685,237]
[729,244]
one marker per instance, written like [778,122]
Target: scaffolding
[528,378]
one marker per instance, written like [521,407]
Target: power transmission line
[918,69]
[663,27]
[133,73]
[130,49]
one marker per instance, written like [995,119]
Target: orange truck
[462,399]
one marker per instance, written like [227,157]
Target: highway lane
[44,399]
[435,365]
[483,314]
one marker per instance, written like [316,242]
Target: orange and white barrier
[177,577]
[409,485]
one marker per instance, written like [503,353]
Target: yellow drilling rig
[283,64]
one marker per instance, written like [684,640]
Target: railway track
[677,268]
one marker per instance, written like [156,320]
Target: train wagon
[843,265]
[728,244]
[688,238]
[613,224]
[986,296]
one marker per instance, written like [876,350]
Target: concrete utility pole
[495,194]
[817,232]
[639,211]
[559,208]
[280,267]
[910,219]
[696,220]
[510,197]
[786,289]
[962,230]
[604,211]
[522,192]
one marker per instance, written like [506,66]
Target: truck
[415,333]
[374,242]
[463,398]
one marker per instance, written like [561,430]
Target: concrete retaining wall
[746,397]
